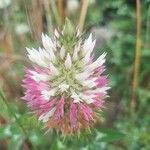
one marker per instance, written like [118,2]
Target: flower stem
[11,112]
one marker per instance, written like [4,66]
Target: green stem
[11,112]
[55,12]
[137,56]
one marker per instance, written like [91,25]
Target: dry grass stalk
[84,7]
[137,56]
[61,10]
[5,42]
[36,17]
[48,15]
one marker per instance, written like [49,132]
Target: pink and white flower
[66,87]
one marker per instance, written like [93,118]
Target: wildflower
[65,87]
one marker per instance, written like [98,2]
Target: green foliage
[109,135]
[129,130]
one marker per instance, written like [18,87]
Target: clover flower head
[66,87]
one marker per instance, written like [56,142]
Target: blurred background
[122,29]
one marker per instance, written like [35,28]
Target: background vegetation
[122,29]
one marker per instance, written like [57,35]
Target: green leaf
[16,142]
[15,129]
[5,131]
[29,121]
[109,135]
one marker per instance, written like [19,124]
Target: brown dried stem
[137,56]
[84,7]
[61,10]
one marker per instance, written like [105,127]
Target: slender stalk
[84,7]
[31,29]
[11,112]
[137,55]
[48,16]
[55,12]
[61,11]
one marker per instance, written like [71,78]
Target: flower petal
[68,62]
